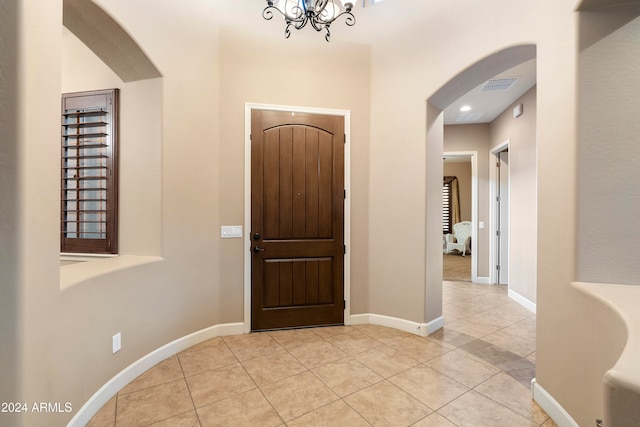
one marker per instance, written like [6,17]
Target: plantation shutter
[89,187]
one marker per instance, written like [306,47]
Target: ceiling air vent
[494,85]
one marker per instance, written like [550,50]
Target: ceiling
[485,105]
[491,98]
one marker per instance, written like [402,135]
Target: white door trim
[493,215]
[474,208]
[346,114]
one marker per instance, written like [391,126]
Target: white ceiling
[487,105]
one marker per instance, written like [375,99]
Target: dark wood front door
[297,215]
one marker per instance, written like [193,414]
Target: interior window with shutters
[446,206]
[89,172]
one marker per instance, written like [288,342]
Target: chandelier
[319,13]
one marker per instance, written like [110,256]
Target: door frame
[493,214]
[346,114]
[473,156]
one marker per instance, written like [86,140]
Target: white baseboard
[434,325]
[422,329]
[483,280]
[551,406]
[531,306]
[124,377]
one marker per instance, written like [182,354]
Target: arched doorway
[462,83]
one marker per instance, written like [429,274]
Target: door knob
[256,236]
[258,249]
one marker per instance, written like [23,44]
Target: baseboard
[483,280]
[435,324]
[551,406]
[422,329]
[531,306]
[124,377]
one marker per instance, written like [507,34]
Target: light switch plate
[231,231]
[116,342]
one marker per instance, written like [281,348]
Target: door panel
[289,282]
[297,219]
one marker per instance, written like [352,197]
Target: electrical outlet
[116,342]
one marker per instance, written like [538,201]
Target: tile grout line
[387,342]
[500,403]
[184,377]
[259,388]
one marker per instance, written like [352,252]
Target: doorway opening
[472,77]
[500,214]
[463,165]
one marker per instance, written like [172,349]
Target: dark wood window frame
[89,172]
[447,204]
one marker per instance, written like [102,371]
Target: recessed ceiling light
[465,108]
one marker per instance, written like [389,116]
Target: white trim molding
[131,372]
[557,413]
[435,324]
[493,216]
[531,306]
[421,329]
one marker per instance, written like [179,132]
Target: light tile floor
[476,371]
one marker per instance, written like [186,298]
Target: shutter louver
[88,172]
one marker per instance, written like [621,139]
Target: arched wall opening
[98,53]
[108,40]
[462,83]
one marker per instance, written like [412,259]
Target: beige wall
[609,84]
[608,159]
[521,132]
[63,337]
[140,143]
[268,69]
[198,282]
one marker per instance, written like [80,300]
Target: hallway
[474,372]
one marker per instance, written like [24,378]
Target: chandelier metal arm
[299,16]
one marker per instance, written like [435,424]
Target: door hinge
[344,304]
[345,194]
[498,233]
[498,267]
[344,141]
[345,249]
